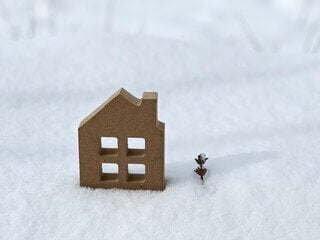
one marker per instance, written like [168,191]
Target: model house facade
[107,157]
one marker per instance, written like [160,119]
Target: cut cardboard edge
[150,96]
[153,96]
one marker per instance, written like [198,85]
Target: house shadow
[180,172]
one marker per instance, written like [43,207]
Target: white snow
[202,156]
[255,114]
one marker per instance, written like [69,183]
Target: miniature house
[104,142]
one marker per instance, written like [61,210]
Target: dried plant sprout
[201,160]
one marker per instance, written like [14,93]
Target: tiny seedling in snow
[201,160]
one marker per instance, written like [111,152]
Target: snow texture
[255,114]
[202,156]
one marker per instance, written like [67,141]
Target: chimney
[149,102]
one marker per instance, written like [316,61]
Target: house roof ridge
[121,92]
[127,95]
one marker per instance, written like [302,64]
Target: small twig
[201,160]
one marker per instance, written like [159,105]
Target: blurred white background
[269,25]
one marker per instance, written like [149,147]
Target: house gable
[121,93]
[123,116]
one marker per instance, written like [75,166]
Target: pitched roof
[121,92]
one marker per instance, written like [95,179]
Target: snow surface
[255,114]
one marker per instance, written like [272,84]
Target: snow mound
[255,115]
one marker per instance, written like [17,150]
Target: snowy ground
[255,113]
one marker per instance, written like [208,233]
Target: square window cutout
[136,169]
[136,147]
[136,143]
[109,142]
[136,172]
[109,145]
[109,171]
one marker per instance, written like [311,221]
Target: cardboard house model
[121,120]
